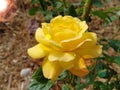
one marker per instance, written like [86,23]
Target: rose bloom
[64,44]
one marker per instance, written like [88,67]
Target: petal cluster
[63,43]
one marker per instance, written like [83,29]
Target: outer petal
[37,52]
[67,65]
[76,42]
[51,70]
[90,49]
[45,40]
[61,56]
[83,27]
[80,69]
[46,28]
[64,21]
[56,20]
[70,64]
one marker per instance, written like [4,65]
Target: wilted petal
[37,52]
[80,69]
[51,70]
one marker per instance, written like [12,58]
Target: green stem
[86,10]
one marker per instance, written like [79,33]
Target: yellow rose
[63,43]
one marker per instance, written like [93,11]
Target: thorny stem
[86,9]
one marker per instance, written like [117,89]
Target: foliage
[39,82]
[109,79]
[52,8]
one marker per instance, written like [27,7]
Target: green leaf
[113,59]
[107,0]
[58,5]
[34,1]
[63,75]
[98,3]
[103,87]
[78,80]
[65,87]
[38,76]
[72,11]
[100,14]
[103,15]
[79,87]
[48,85]
[118,13]
[38,73]
[33,11]
[115,44]
[43,4]
[49,16]
[105,46]
[102,73]
[116,59]
[35,85]
[39,82]
[97,85]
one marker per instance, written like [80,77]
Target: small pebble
[25,72]
[14,61]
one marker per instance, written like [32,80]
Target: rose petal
[80,69]
[46,28]
[90,49]
[79,72]
[76,42]
[60,56]
[64,35]
[37,52]
[40,37]
[83,27]
[68,22]
[68,65]
[51,70]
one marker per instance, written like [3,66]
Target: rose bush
[64,44]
